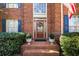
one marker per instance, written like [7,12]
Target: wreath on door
[40,26]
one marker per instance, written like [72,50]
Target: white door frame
[34,28]
[40,16]
[62,15]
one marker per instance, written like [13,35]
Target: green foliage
[10,43]
[70,44]
[51,36]
[28,35]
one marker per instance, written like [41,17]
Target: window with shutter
[11,25]
[13,5]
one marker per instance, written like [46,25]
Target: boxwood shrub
[70,44]
[10,43]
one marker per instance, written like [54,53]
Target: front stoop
[40,49]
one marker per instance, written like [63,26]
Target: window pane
[72,29]
[72,21]
[7,5]
[78,21]
[44,8]
[11,5]
[74,24]
[40,7]
[12,25]
[10,29]
[2,5]
[16,5]
[16,23]
[15,29]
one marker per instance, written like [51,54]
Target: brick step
[39,49]
[54,47]
[39,45]
[40,52]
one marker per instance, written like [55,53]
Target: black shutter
[66,24]
[19,25]
[3,24]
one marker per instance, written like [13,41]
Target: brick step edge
[27,53]
[40,51]
[41,54]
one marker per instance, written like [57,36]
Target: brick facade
[54,17]
[26,15]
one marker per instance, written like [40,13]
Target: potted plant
[51,38]
[28,38]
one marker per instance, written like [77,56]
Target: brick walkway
[40,49]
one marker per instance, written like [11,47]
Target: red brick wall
[77,8]
[28,18]
[57,27]
[26,13]
[57,18]
[13,13]
[65,10]
[54,17]
[50,17]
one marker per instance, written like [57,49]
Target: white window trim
[15,5]
[37,19]
[39,14]
[62,19]
[7,27]
[76,26]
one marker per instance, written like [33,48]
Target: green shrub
[10,43]
[51,36]
[28,35]
[70,44]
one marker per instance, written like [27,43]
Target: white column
[61,18]
[33,28]
[46,23]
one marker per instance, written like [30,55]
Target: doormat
[40,39]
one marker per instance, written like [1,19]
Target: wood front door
[39,29]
